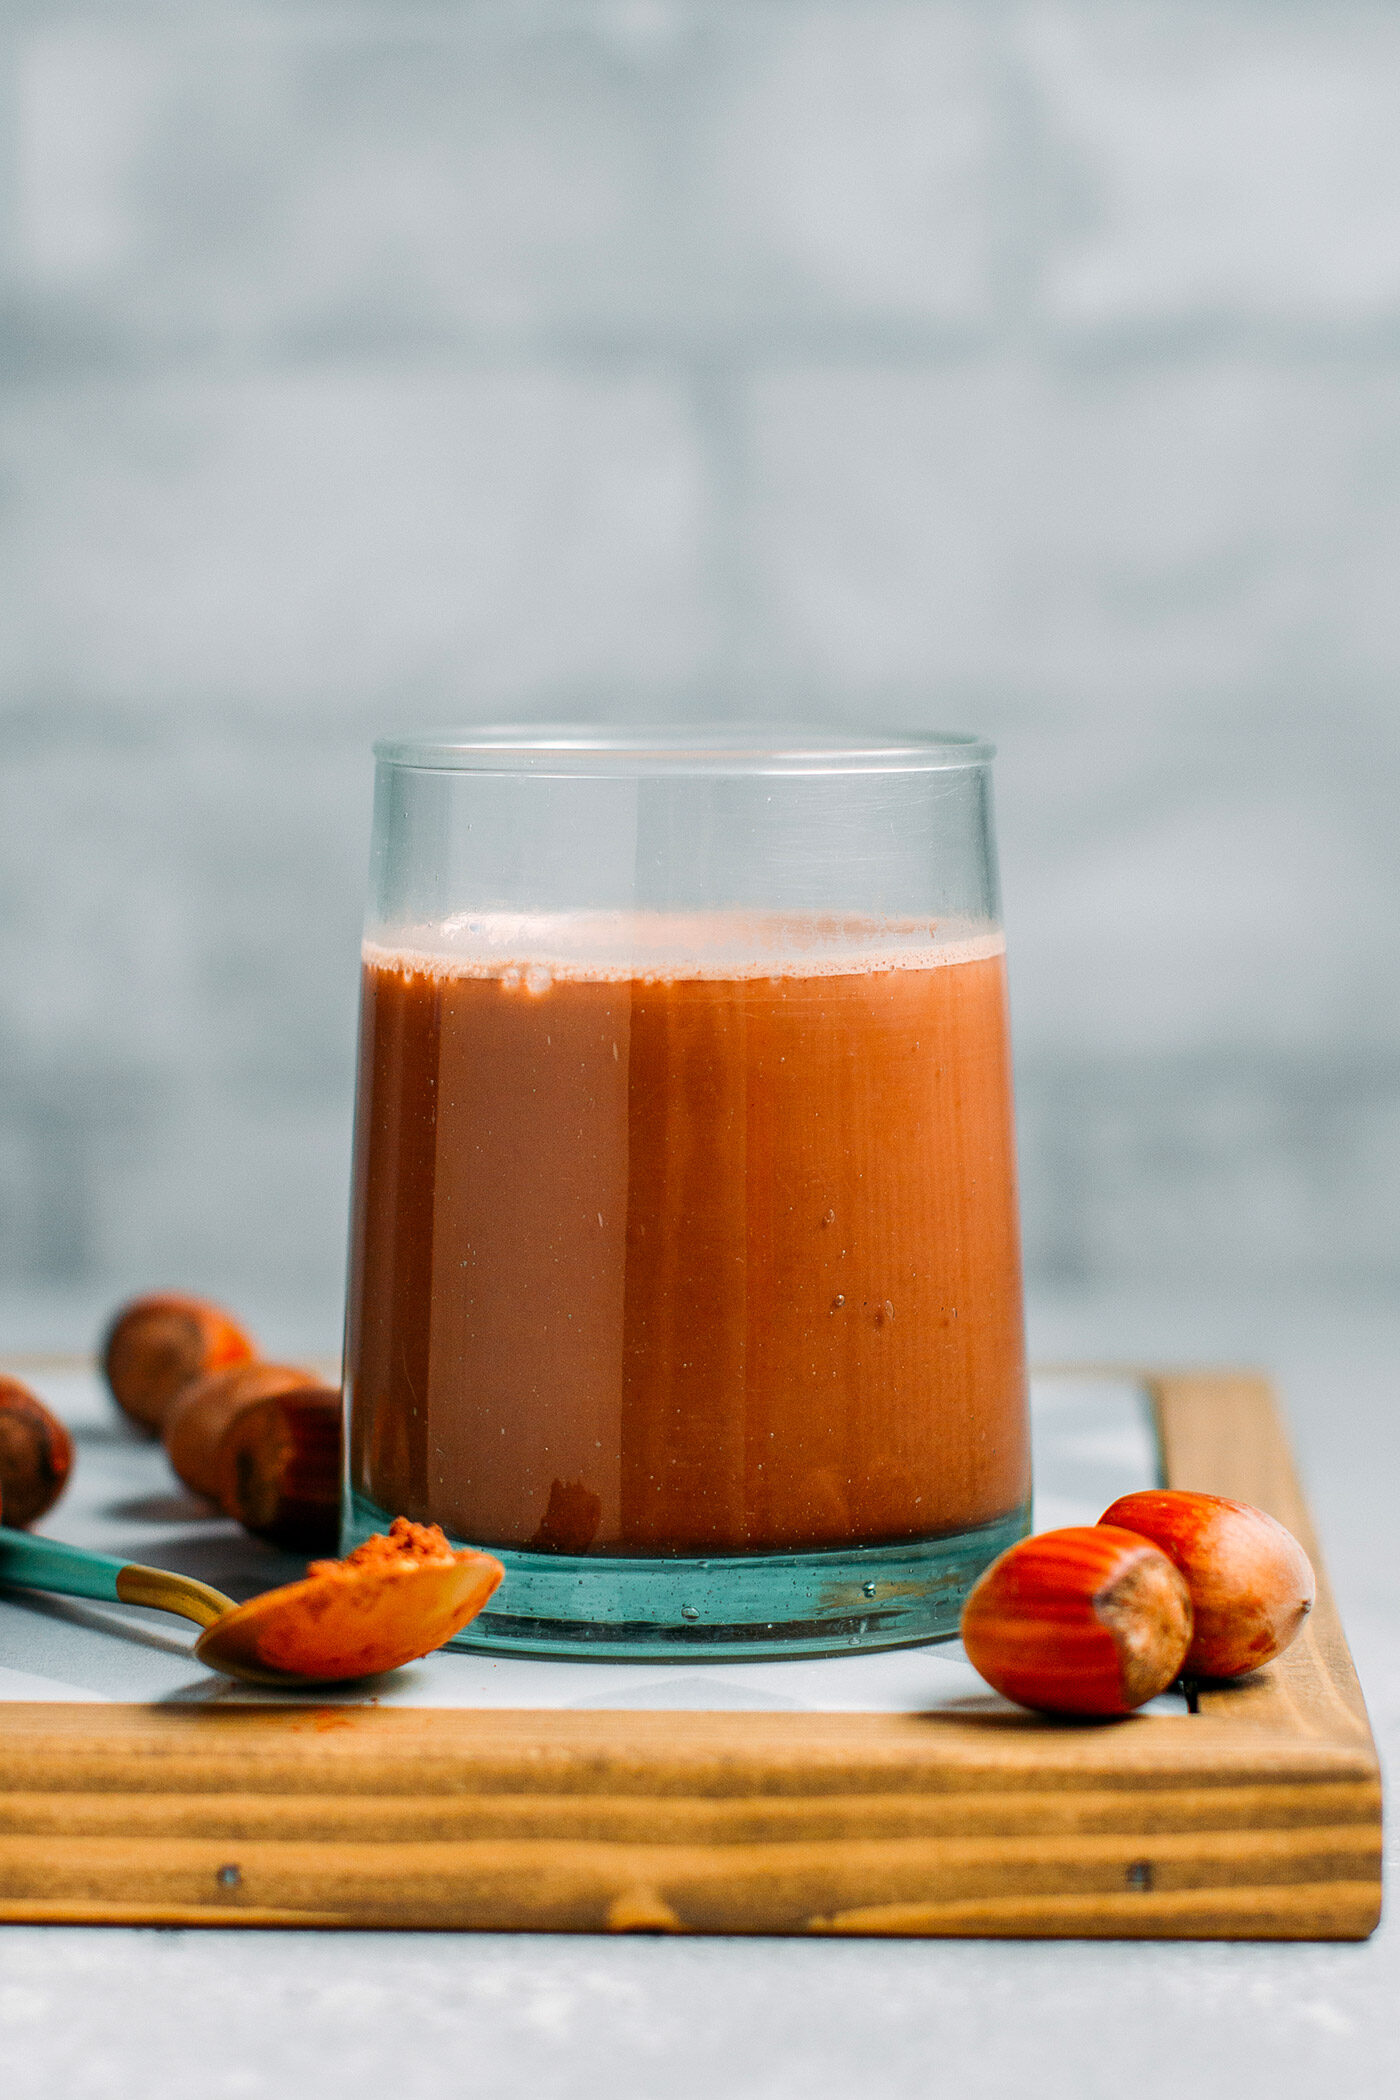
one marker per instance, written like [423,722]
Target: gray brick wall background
[1032,368]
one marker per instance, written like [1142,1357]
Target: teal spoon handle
[46,1564]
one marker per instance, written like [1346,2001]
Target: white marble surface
[142,2015]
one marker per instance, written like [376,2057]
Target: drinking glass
[685,1268]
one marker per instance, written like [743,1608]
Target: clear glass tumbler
[685,1267]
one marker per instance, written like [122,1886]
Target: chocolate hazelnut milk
[676,1252]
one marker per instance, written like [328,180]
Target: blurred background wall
[1031,368]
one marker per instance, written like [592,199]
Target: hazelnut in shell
[1251,1583]
[279,1469]
[36,1455]
[1090,1620]
[196,1423]
[156,1345]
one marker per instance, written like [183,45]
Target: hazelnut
[157,1344]
[279,1468]
[1089,1620]
[1251,1583]
[196,1422]
[36,1455]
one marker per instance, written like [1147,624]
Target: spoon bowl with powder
[398,1596]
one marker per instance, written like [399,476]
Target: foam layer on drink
[536,949]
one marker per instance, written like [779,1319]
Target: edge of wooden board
[1221,1430]
[1258,1817]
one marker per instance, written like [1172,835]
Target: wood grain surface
[1257,1817]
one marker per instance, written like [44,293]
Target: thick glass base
[728,1607]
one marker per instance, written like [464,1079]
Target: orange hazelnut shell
[279,1468]
[1251,1583]
[1089,1620]
[36,1455]
[157,1344]
[196,1423]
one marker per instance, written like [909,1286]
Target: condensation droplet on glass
[830,1218]
[868,1589]
[838,1301]
[688,1611]
[889,1310]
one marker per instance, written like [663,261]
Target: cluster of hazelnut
[260,1440]
[1099,1618]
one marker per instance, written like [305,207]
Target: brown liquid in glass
[687,1264]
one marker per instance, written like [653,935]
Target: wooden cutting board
[1258,1816]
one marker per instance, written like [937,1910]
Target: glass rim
[603,750]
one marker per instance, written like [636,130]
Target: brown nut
[279,1469]
[1251,1583]
[1089,1620]
[36,1455]
[199,1417]
[156,1345]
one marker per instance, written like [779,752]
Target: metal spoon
[325,1629]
